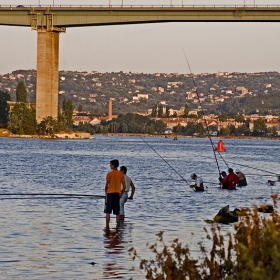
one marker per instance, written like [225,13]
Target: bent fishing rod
[208,132]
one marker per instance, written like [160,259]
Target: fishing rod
[223,159]
[165,161]
[212,144]
[53,194]
[38,197]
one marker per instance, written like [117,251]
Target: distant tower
[110,109]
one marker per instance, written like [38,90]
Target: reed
[250,252]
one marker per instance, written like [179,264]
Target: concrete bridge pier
[47,73]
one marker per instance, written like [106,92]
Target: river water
[46,237]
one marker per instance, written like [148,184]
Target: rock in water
[226,217]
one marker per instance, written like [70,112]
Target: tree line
[126,123]
[21,119]
[259,129]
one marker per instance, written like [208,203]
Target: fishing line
[254,168]
[239,164]
[38,197]
[245,165]
[208,132]
[165,161]
[53,194]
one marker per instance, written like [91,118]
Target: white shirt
[127,183]
[198,181]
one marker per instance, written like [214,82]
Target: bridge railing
[139,6]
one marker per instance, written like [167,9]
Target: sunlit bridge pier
[50,21]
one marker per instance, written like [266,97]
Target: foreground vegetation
[251,252]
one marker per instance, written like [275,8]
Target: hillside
[137,92]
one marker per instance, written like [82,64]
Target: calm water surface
[51,238]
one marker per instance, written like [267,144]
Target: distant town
[222,102]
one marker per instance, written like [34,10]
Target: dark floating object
[225,216]
[266,208]
[271,183]
[92,263]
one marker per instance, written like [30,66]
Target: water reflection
[113,247]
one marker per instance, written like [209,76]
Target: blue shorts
[112,202]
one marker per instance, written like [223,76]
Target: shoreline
[5,133]
[187,136]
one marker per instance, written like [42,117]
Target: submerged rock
[225,216]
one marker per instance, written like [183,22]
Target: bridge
[50,21]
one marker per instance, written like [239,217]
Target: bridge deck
[90,16]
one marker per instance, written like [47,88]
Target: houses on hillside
[210,121]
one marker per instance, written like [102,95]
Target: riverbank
[174,136]
[64,135]
[84,135]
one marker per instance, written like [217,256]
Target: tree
[192,128]
[160,111]
[159,126]
[134,123]
[260,127]
[243,130]
[154,111]
[232,129]
[239,118]
[21,92]
[167,111]
[113,127]
[80,108]
[200,114]
[186,111]
[67,111]
[4,107]
[177,128]
[60,120]
[225,131]
[48,126]
[22,120]
[223,117]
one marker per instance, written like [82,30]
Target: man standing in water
[199,187]
[124,198]
[221,178]
[231,180]
[241,177]
[114,189]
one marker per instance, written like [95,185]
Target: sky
[150,48]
